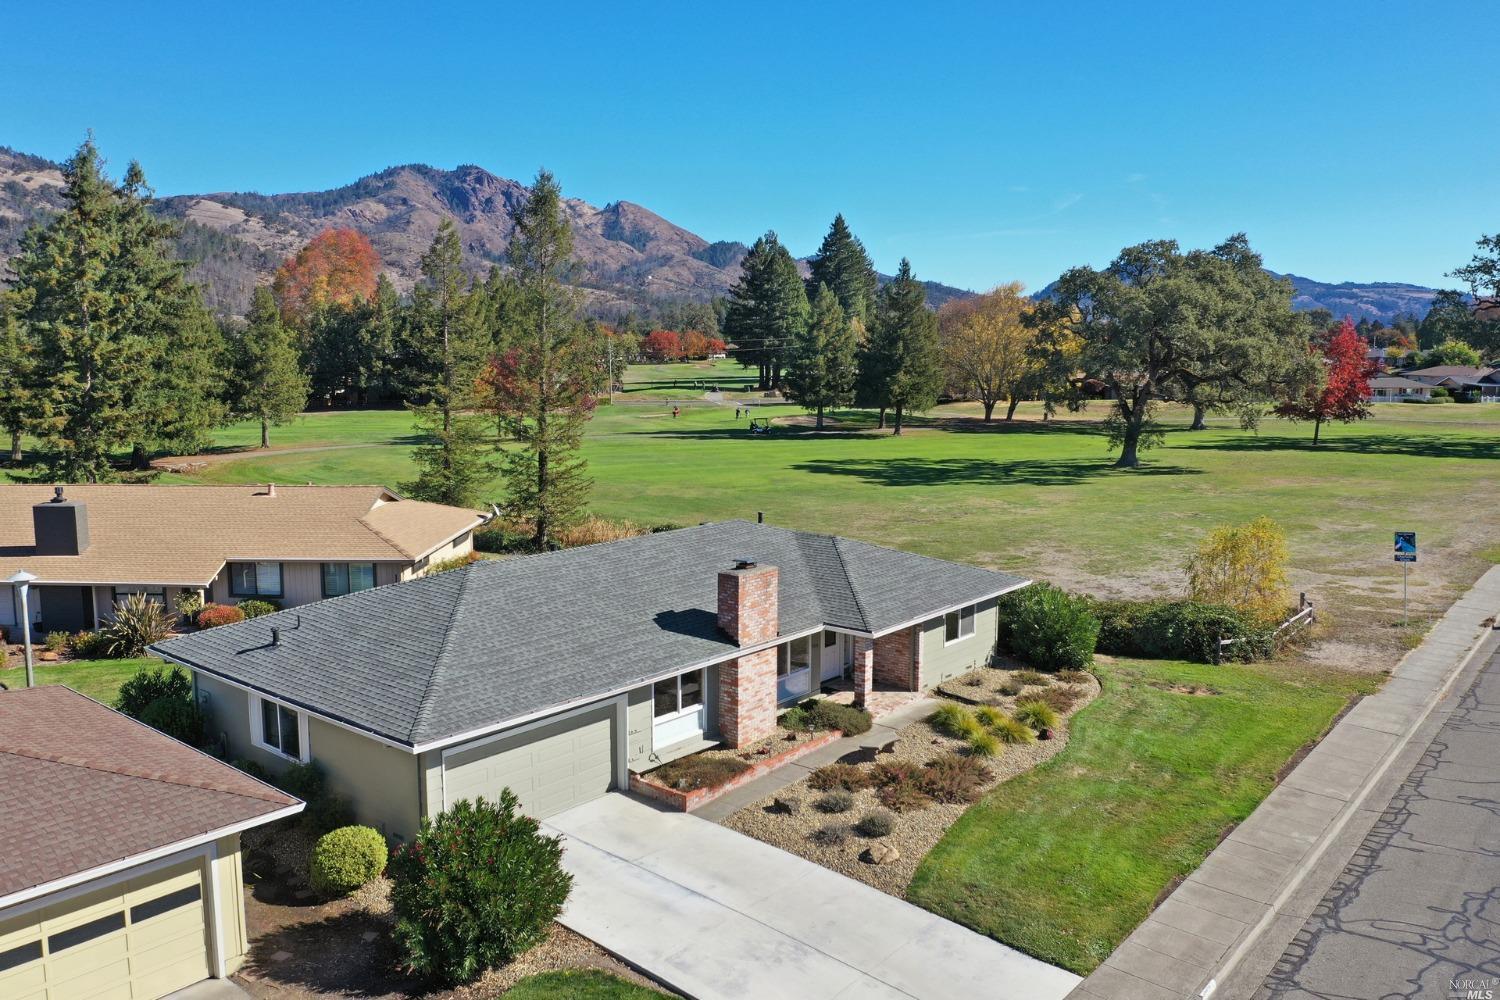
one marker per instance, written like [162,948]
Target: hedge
[1048,627]
[1179,630]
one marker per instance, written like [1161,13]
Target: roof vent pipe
[744,564]
[760,517]
[57,495]
[275,636]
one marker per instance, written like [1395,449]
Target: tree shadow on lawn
[950,471]
[1412,446]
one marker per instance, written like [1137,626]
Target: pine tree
[903,366]
[268,383]
[845,267]
[820,370]
[446,340]
[767,307]
[90,363]
[17,359]
[542,388]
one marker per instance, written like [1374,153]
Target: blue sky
[987,142]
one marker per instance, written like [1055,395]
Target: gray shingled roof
[431,658]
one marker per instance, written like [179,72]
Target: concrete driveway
[715,914]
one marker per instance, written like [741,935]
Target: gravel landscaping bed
[916,831]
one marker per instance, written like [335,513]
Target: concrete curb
[1200,934]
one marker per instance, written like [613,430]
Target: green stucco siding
[940,662]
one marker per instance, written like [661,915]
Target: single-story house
[557,674]
[120,869]
[91,545]
[1395,389]
[1461,378]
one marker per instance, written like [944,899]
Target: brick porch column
[896,660]
[864,669]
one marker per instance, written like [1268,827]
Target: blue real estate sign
[1406,546]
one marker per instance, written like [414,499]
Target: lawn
[99,679]
[578,985]
[1064,861]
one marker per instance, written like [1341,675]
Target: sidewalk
[884,729]
[1186,946]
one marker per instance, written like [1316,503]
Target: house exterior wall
[380,782]
[942,661]
[747,698]
[638,718]
[301,582]
[460,546]
[895,656]
[229,905]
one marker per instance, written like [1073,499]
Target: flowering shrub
[479,885]
[219,614]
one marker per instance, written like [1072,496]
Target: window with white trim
[278,728]
[255,579]
[958,624]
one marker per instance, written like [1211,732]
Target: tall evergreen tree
[767,307]
[91,361]
[267,382]
[542,388]
[902,362]
[445,338]
[845,267]
[820,370]
[17,359]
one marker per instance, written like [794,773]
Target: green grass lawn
[578,984]
[1064,861]
[99,679]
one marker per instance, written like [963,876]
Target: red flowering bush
[479,885]
[219,614]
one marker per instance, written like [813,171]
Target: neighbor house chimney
[61,526]
[748,611]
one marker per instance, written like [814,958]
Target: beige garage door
[136,940]
[551,768]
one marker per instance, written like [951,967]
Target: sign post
[1406,554]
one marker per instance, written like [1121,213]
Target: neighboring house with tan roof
[1483,380]
[120,865]
[91,545]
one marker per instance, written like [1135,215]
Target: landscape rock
[879,854]
[790,806]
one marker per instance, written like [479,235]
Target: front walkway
[717,915]
[1251,890]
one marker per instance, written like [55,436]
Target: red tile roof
[83,786]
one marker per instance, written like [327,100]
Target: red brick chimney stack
[748,610]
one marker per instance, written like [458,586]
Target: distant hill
[628,256]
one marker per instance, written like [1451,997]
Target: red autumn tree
[662,345]
[716,346]
[337,267]
[694,344]
[1342,388]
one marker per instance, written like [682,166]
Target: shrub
[1030,678]
[1010,688]
[163,699]
[848,777]
[498,537]
[831,835]
[951,718]
[594,530]
[88,645]
[326,812]
[255,607]
[990,716]
[188,603]
[955,779]
[138,622]
[1048,627]
[983,744]
[57,642]
[1243,567]
[1179,630]
[835,802]
[251,768]
[214,615]
[305,781]
[1059,699]
[1073,676]
[1013,731]
[1438,392]
[894,772]
[905,796]
[1036,713]
[698,771]
[455,562]
[877,823]
[851,721]
[796,719]
[478,886]
[345,859]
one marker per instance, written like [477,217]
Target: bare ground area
[915,832]
[302,948]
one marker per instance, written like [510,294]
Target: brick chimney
[748,610]
[60,526]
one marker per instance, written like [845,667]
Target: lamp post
[22,581]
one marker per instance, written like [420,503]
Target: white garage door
[550,768]
[136,940]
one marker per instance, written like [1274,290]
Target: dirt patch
[302,947]
[915,832]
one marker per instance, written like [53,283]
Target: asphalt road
[1416,913]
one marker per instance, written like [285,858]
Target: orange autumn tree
[337,267]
